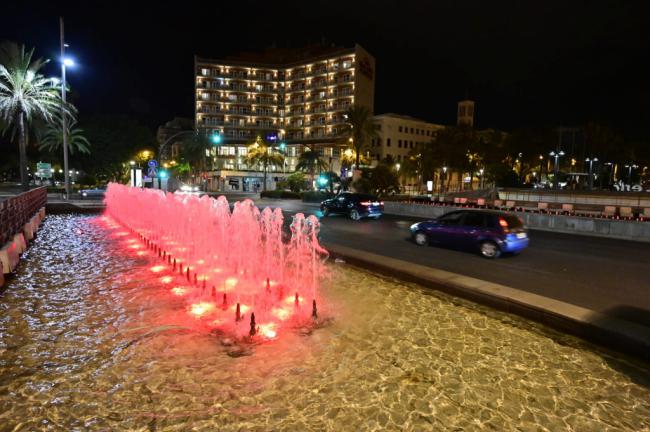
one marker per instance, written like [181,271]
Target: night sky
[542,63]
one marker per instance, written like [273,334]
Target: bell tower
[465,114]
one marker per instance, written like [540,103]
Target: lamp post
[444,177]
[629,172]
[556,166]
[481,171]
[64,120]
[591,171]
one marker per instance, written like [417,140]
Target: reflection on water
[90,339]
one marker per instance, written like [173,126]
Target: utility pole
[64,120]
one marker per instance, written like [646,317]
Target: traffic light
[322,180]
[283,146]
[216,138]
[162,174]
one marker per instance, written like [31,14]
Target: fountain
[241,255]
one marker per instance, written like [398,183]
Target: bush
[315,196]
[280,194]
[296,181]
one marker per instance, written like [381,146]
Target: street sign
[44,170]
[152,168]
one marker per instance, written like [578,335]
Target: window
[474,219]
[347,64]
[428,133]
[399,128]
[452,218]
[399,143]
[411,144]
[411,130]
[205,71]
[387,142]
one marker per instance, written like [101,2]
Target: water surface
[90,339]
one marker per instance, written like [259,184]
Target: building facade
[398,134]
[294,97]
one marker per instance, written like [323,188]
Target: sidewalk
[601,328]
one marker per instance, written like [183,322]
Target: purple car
[489,232]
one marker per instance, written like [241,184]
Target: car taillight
[381,203]
[365,203]
[504,224]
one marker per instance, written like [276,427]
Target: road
[606,275]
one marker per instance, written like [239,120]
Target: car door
[341,202]
[446,228]
[472,227]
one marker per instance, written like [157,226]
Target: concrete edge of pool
[610,332]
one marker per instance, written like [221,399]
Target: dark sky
[526,63]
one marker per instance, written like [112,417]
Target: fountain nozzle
[238,313]
[314,311]
[268,285]
[174,268]
[297,300]
[253,329]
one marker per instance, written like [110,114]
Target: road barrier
[20,217]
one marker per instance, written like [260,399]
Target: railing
[16,211]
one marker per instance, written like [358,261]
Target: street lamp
[444,177]
[481,171]
[65,62]
[591,167]
[629,172]
[556,165]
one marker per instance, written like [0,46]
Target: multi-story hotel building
[294,97]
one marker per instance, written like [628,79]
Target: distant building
[465,114]
[170,139]
[297,97]
[398,134]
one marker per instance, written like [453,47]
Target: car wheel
[354,215]
[326,211]
[490,250]
[420,239]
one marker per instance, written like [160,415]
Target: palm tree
[310,161]
[52,139]
[25,95]
[358,130]
[261,153]
[193,150]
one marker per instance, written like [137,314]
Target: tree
[296,181]
[52,139]
[25,95]
[310,161]
[116,140]
[193,149]
[379,181]
[261,153]
[358,130]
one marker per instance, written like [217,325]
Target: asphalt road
[607,275]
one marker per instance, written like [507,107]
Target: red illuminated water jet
[240,253]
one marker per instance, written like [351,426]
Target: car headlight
[84,194]
[415,226]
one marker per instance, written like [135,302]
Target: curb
[610,332]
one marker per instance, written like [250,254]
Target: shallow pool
[91,340]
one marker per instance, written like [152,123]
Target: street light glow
[68,62]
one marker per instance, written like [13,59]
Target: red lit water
[233,268]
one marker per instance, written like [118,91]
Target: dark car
[96,193]
[490,232]
[355,205]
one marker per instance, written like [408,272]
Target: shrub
[280,194]
[296,181]
[315,196]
